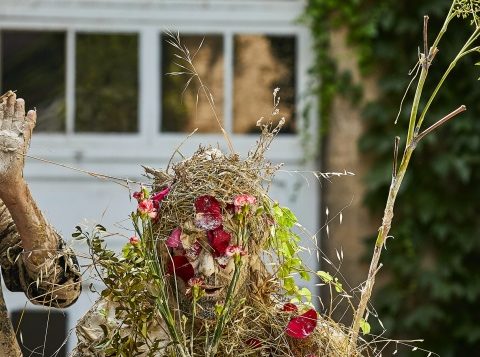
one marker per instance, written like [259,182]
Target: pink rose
[243,200]
[134,240]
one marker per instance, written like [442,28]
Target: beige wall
[341,152]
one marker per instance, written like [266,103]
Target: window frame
[214,17]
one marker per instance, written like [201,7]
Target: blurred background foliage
[433,290]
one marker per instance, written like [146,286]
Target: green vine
[433,290]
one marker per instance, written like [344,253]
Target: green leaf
[364,326]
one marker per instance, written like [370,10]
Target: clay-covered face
[201,260]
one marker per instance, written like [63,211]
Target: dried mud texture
[8,343]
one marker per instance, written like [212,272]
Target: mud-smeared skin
[28,244]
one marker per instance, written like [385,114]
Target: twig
[442,121]
[395,156]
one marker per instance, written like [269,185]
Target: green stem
[212,346]
[463,51]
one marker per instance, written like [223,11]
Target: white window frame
[148,19]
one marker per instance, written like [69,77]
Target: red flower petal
[253,343]
[208,213]
[207,204]
[290,307]
[219,240]
[302,326]
[159,196]
[181,267]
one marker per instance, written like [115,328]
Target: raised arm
[32,254]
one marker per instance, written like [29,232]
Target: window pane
[261,64]
[183,111]
[106,83]
[33,63]
[42,331]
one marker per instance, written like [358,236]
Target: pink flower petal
[181,267]
[245,199]
[160,196]
[174,240]
[302,326]
[134,240]
[145,206]
[233,250]
[219,240]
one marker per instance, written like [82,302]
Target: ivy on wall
[433,262]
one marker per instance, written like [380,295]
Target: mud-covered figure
[207,272]
[219,281]
[33,256]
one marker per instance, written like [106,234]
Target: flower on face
[134,240]
[181,267]
[243,200]
[302,326]
[160,196]
[289,307]
[173,241]
[234,250]
[208,214]
[219,240]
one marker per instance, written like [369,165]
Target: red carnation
[219,240]
[208,214]
[181,267]
[302,326]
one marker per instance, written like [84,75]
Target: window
[261,64]
[106,85]
[43,333]
[33,63]
[184,105]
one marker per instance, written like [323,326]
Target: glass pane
[44,331]
[106,83]
[33,63]
[261,64]
[186,110]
